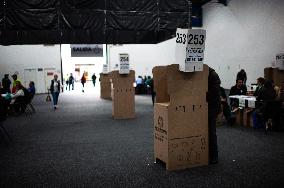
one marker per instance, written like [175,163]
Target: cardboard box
[105,86]
[181,123]
[247,117]
[274,74]
[239,117]
[123,95]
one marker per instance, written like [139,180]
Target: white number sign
[190,46]
[124,64]
[105,69]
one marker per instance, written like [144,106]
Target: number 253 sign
[190,46]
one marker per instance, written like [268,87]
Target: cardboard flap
[160,84]
[104,77]
[122,80]
[193,82]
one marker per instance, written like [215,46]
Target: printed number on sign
[181,38]
[123,58]
[192,39]
[195,39]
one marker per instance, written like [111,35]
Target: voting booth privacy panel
[181,117]
[105,86]
[91,21]
[274,74]
[123,95]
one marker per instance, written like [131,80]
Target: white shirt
[55,86]
[18,94]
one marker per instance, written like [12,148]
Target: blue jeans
[55,96]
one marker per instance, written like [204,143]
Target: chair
[271,115]
[29,107]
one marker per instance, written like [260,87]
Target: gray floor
[79,145]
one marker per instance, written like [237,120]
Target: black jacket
[213,96]
[52,86]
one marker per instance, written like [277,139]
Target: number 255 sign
[190,46]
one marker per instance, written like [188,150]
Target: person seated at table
[260,82]
[238,89]
[266,94]
[31,88]
[19,97]
[277,89]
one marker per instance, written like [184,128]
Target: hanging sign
[190,46]
[124,64]
[86,50]
[105,69]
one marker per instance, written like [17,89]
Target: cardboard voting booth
[105,86]
[123,95]
[274,74]
[180,117]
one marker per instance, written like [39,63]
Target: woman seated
[19,99]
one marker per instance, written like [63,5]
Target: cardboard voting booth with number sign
[180,117]
[280,61]
[124,64]
[190,46]
[123,95]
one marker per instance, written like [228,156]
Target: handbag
[48,98]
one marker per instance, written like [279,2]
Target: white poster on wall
[105,69]
[124,64]
[280,61]
[190,46]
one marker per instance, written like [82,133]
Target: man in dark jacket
[238,89]
[6,83]
[214,106]
[242,75]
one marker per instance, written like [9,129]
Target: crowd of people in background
[265,92]
[14,96]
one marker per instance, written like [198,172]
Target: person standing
[71,81]
[242,75]
[214,107]
[15,80]
[6,83]
[83,81]
[94,79]
[66,82]
[150,83]
[55,90]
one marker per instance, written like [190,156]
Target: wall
[246,34]
[143,57]
[21,57]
